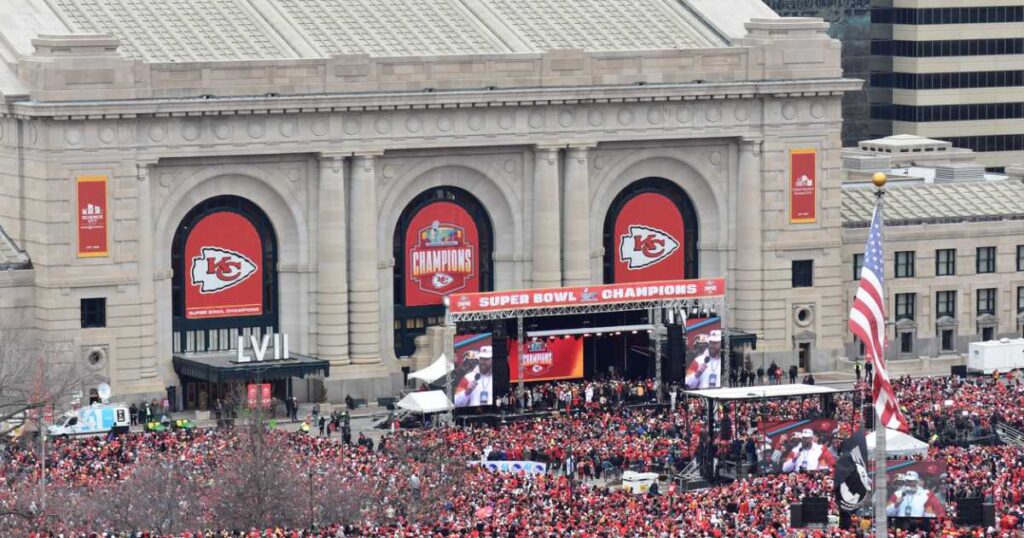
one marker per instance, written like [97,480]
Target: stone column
[364,286]
[332,267]
[547,223]
[576,218]
[147,294]
[749,288]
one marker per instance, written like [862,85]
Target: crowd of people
[599,429]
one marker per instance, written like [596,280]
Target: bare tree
[34,375]
[425,468]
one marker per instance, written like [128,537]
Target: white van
[91,420]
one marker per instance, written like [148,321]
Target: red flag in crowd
[867,322]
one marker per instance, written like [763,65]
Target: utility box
[1002,355]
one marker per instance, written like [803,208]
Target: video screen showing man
[476,388]
[808,454]
[705,372]
[910,498]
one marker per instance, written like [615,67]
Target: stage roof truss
[711,303]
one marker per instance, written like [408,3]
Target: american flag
[867,322]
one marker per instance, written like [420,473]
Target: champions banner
[258,395]
[92,216]
[803,186]
[546,359]
[223,268]
[649,233]
[587,295]
[441,249]
[528,467]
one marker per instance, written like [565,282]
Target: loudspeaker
[815,511]
[869,416]
[969,512]
[673,367]
[499,346]
[725,429]
[988,515]
[796,515]
[958,371]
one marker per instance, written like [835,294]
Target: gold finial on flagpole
[879,179]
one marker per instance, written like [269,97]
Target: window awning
[222,367]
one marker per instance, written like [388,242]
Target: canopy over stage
[223,367]
[763,392]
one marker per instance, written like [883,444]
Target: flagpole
[881,495]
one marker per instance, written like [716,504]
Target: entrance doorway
[804,356]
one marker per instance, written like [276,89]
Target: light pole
[881,496]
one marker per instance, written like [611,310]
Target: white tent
[432,401]
[898,444]
[435,371]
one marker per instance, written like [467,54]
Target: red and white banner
[92,216]
[803,186]
[441,254]
[546,359]
[224,268]
[649,240]
[259,395]
[588,295]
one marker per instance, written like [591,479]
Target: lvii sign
[260,347]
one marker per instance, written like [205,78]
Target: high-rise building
[850,23]
[951,70]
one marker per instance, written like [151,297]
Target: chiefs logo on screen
[441,259]
[538,358]
[217,269]
[644,246]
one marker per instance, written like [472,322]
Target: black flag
[852,484]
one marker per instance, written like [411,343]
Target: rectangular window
[858,263]
[94,312]
[945,262]
[1020,299]
[986,301]
[946,335]
[986,260]
[905,303]
[803,273]
[1020,257]
[905,264]
[906,342]
[945,304]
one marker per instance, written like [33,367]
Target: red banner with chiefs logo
[92,216]
[464,303]
[441,250]
[223,268]
[259,395]
[803,186]
[547,359]
[649,240]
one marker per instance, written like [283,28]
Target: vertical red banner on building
[547,359]
[259,395]
[649,240]
[441,249]
[92,216]
[223,268]
[803,186]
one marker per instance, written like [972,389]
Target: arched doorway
[650,233]
[224,256]
[443,244]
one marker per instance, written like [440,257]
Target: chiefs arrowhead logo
[644,246]
[217,269]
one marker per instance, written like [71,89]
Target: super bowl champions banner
[649,240]
[803,186]
[92,216]
[441,249]
[224,268]
[547,359]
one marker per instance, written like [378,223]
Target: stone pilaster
[364,286]
[748,283]
[576,218]
[332,267]
[147,295]
[547,223]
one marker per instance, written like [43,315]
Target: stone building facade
[329,143]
